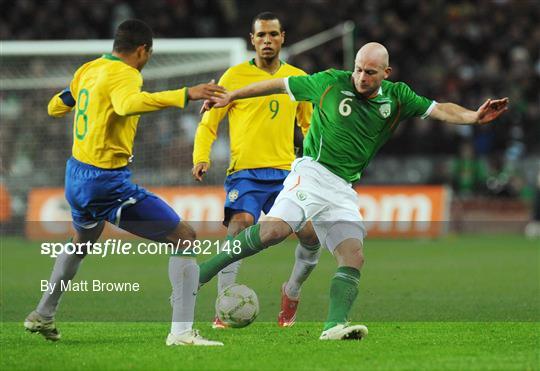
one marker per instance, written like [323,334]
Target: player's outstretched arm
[455,114]
[204,91]
[128,99]
[258,89]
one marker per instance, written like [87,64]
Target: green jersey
[347,129]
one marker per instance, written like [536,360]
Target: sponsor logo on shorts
[385,110]
[301,195]
[233,195]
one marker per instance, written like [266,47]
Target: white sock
[184,277]
[227,276]
[65,268]
[306,258]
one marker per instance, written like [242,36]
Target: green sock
[249,243]
[343,292]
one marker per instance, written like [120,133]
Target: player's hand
[490,110]
[207,106]
[205,91]
[199,170]
[217,101]
[221,100]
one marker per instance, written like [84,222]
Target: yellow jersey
[261,129]
[107,99]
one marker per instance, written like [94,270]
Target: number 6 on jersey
[344,108]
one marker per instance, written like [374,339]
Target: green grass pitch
[455,303]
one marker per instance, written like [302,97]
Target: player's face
[267,38]
[368,76]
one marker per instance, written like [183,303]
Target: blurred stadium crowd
[460,51]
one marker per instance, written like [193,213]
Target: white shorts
[312,192]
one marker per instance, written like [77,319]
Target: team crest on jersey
[385,110]
[301,195]
[233,195]
[347,93]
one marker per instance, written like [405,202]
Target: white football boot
[191,337]
[345,332]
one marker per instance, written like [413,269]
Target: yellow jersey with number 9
[261,129]
[105,95]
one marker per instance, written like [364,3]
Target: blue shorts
[96,195]
[252,191]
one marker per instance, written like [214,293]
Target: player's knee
[237,226]
[307,235]
[350,253]
[309,239]
[191,235]
[354,259]
[271,236]
[84,236]
[188,233]
[183,231]
[358,259]
[274,231]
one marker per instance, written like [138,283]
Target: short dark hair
[266,16]
[131,34]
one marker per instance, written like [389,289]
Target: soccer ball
[237,305]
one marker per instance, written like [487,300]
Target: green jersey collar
[380,97]
[110,57]
[252,62]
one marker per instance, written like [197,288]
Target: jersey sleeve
[128,99]
[61,103]
[414,105]
[308,88]
[303,116]
[207,130]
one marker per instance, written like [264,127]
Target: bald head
[370,69]
[374,53]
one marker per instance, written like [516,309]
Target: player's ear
[140,51]
[251,37]
[282,37]
[387,72]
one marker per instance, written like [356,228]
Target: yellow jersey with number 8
[107,101]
